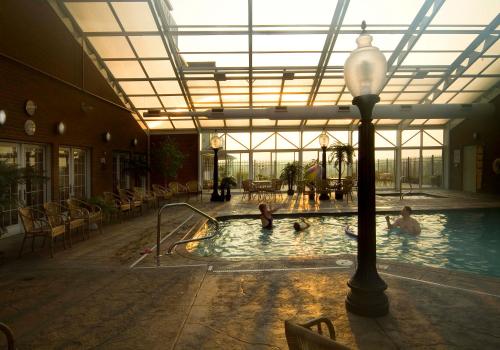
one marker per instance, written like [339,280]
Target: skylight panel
[125,69]
[385,42]
[294,97]
[331,98]
[112,46]
[173,101]
[263,122]
[482,84]
[213,12]
[211,123]
[159,69]
[316,122]
[263,89]
[480,64]
[458,84]
[159,124]
[137,87]
[93,16]
[167,87]
[212,43]
[206,99]
[444,97]
[149,46]
[466,97]
[329,88]
[135,16]
[285,122]
[146,102]
[467,12]
[382,12]
[440,42]
[293,12]
[183,124]
[201,83]
[430,58]
[266,98]
[237,122]
[243,99]
[221,60]
[285,59]
[437,121]
[494,68]
[288,42]
[338,122]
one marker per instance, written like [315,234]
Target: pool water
[467,240]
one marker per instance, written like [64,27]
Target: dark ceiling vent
[218,76]
[406,108]
[288,75]
[344,109]
[207,64]
[153,113]
[280,109]
[217,110]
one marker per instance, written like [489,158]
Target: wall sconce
[475,136]
[102,160]
[61,128]
[3,117]
[86,108]
[135,142]
[107,136]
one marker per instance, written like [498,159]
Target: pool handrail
[401,194]
[158,228]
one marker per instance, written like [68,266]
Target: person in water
[266,215]
[405,222]
[301,225]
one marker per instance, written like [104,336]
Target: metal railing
[158,228]
[401,181]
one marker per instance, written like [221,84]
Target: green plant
[227,182]
[136,168]
[290,173]
[341,153]
[167,159]
[100,202]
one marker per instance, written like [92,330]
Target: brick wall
[30,32]
[189,146]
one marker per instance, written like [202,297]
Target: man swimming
[406,223]
[266,216]
[301,225]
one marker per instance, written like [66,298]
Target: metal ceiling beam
[331,38]
[474,51]
[417,111]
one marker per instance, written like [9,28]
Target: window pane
[135,16]
[432,168]
[93,16]
[148,46]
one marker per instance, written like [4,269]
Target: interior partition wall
[411,156]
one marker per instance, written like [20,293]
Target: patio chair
[9,335]
[248,189]
[161,193]
[347,185]
[133,198]
[193,187]
[177,188]
[55,211]
[301,336]
[275,188]
[114,201]
[91,213]
[147,197]
[41,227]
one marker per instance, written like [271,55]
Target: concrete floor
[88,296]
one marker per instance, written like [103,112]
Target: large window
[74,173]
[261,155]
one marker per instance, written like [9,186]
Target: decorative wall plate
[30,107]
[30,127]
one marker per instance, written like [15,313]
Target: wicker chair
[41,227]
[147,197]
[114,201]
[53,211]
[91,213]
[177,188]
[248,189]
[9,335]
[301,336]
[161,192]
[347,186]
[133,198]
[193,187]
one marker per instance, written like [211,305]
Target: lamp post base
[367,302]
[324,196]
[215,197]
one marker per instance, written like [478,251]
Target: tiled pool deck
[89,297]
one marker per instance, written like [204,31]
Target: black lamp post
[364,73]
[215,143]
[323,142]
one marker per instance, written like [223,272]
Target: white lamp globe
[324,139]
[215,142]
[365,68]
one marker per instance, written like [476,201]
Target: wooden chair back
[53,212]
[301,337]
[27,219]
[192,186]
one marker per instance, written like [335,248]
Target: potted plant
[341,153]
[167,159]
[290,173]
[226,184]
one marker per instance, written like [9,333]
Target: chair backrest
[9,335]
[277,184]
[27,219]
[192,186]
[302,338]
[73,206]
[174,186]
[123,195]
[53,212]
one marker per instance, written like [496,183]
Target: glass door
[32,192]
[121,178]
[73,173]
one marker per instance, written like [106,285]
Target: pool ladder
[401,181]
[173,245]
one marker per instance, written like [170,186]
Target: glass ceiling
[194,55]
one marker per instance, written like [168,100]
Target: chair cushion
[75,223]
[58,230]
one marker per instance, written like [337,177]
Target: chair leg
[44,239]
[22,245]
[64,241]
[33,243]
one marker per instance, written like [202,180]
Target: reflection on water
[467,240]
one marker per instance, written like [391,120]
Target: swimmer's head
[296,226]
[406,211]
[262,207]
